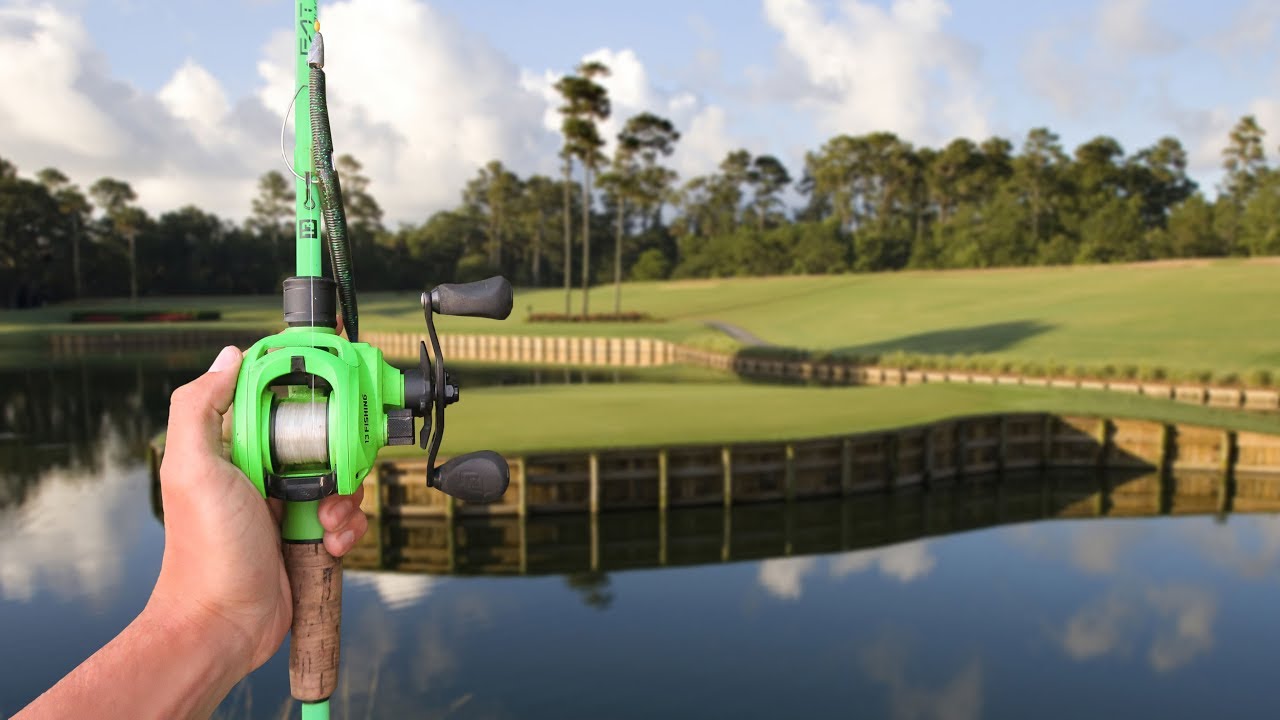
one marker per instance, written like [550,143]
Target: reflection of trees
[593,587]
[56,417]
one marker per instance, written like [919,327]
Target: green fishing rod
[313,408]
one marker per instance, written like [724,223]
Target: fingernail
[225,359]
[347,538]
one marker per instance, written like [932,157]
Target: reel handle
[477,478]
[490,298]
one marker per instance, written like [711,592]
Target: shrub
[651,265]
[1152,373]
[1260,378]
[1226,378]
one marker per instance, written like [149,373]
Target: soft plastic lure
[335,215]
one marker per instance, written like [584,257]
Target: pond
[916,605]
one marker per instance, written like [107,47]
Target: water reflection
[69,536]
[960,601]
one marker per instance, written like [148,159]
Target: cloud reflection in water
[783,578]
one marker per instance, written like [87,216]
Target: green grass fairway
[1212,315]
[524,419]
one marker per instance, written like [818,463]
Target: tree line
[865,203]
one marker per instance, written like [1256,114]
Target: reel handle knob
[478,478]
[490,298]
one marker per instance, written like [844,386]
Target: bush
[1226,378]
[1260,378]
[651,265]
[1150,373]
[475,267]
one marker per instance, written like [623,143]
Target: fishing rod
[312,408]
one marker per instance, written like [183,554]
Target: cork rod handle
[315,579]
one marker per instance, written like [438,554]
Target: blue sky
[181,98]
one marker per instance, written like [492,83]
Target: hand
[222,569]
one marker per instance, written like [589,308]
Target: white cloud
[45,56]
[1248,546]
[1086,65]
[1125,27]
[1180,620]
[419,100]
[782,577]
[1207,130]
[1254,27]
[396,590]
[63,108]
[905,563]
[1098,629]
[874,69]
[1190,612]
[960,698]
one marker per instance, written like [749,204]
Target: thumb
[196,409]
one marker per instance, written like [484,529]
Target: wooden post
[522,498]
[374,480]
[522,527]
[1103,504]
[890,461]
[1162,462]
[1103,438]
[846,466]
[1228,453]
[663,493]
[1002,447]
[926,462]
[450,542]
[1046,440]
[595,542]
[1227,484]
[726,463]
[662,536]
[790,473]
[593,483]
[726,535]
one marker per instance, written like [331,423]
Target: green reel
[312,409]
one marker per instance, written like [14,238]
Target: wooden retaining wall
[585,543]
[648,352]
[947,452]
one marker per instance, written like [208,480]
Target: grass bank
[1189,315]
[525,419]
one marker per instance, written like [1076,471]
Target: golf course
[1203,315]
[1199,320]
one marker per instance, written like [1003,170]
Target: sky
[184,99]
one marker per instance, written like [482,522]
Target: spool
[300,433]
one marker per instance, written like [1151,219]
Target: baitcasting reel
[312,408]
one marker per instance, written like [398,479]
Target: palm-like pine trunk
[132,236]
[537,253]
[568,242]
[586,239]
[617,258]
[75,255]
